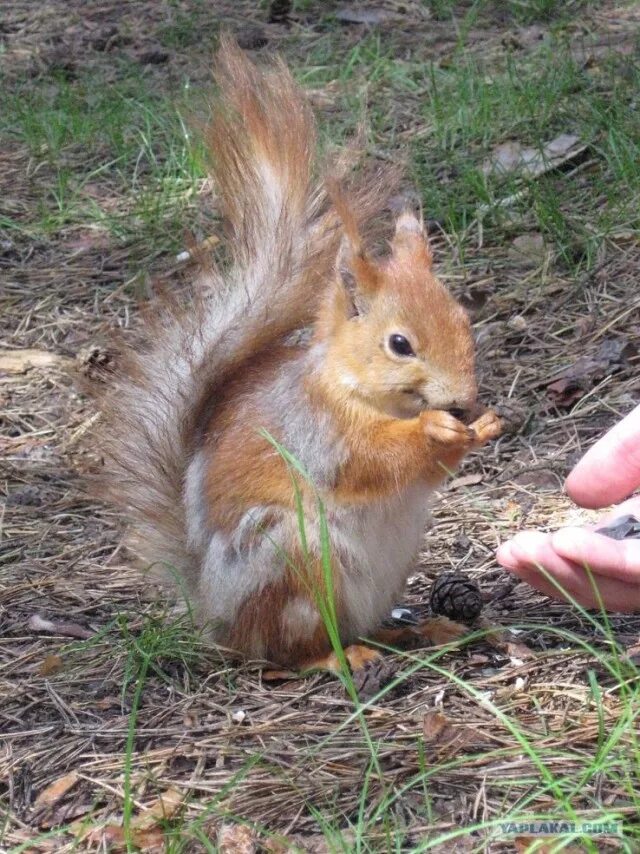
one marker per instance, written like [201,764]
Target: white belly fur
[374,548]
[382,542]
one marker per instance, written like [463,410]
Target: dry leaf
[528,249]
[236,839]
[144,832]
[372,678]
[51,664]
[441,736]
[503,640]
[433,724]
[21,361]
[56,790]
[565,392]
[512,156]
[165,807]
[371,15]
[570,385]
[466,480]
[113,836]
[62,814]
[72,630]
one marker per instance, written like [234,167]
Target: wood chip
[21,361]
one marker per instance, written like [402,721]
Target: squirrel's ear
[410,238]
[357,275]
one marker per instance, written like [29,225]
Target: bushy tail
[283,237]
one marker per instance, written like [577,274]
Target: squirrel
[226,388]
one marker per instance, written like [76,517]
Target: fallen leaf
[89,239]
[512,156]
[466,480]
[565,392]
[517,323]
[433,724]
[56,790]
[165,807]
[573,382]
[371,679]
[236,839]
[144,832]
[62,814]
[21,361]
[528,249]
[72,630]
[442,736]
[51,664]
[114,837]
[503,640]
[371,15]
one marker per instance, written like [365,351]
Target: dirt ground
[112,711]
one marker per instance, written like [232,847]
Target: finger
[505,557]
[614,595]
[531,549]
[613,558]
[610,470]
[533,552]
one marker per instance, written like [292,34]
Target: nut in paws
[486,428]
[445,429]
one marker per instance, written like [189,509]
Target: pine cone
[456,596]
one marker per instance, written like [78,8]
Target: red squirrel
[371,402]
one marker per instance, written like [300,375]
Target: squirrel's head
[395,335]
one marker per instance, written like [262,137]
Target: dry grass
[123,694]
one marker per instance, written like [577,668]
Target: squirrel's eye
[399,345]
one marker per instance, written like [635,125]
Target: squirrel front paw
[444,429]
[485,428]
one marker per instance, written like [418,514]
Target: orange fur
[187,458]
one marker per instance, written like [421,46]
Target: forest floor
[121,727]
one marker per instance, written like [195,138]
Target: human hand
[609,471]
[614,564]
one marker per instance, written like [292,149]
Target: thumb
[610,470]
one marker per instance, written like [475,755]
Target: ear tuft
[358,276]
[410,238]
[407,222]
